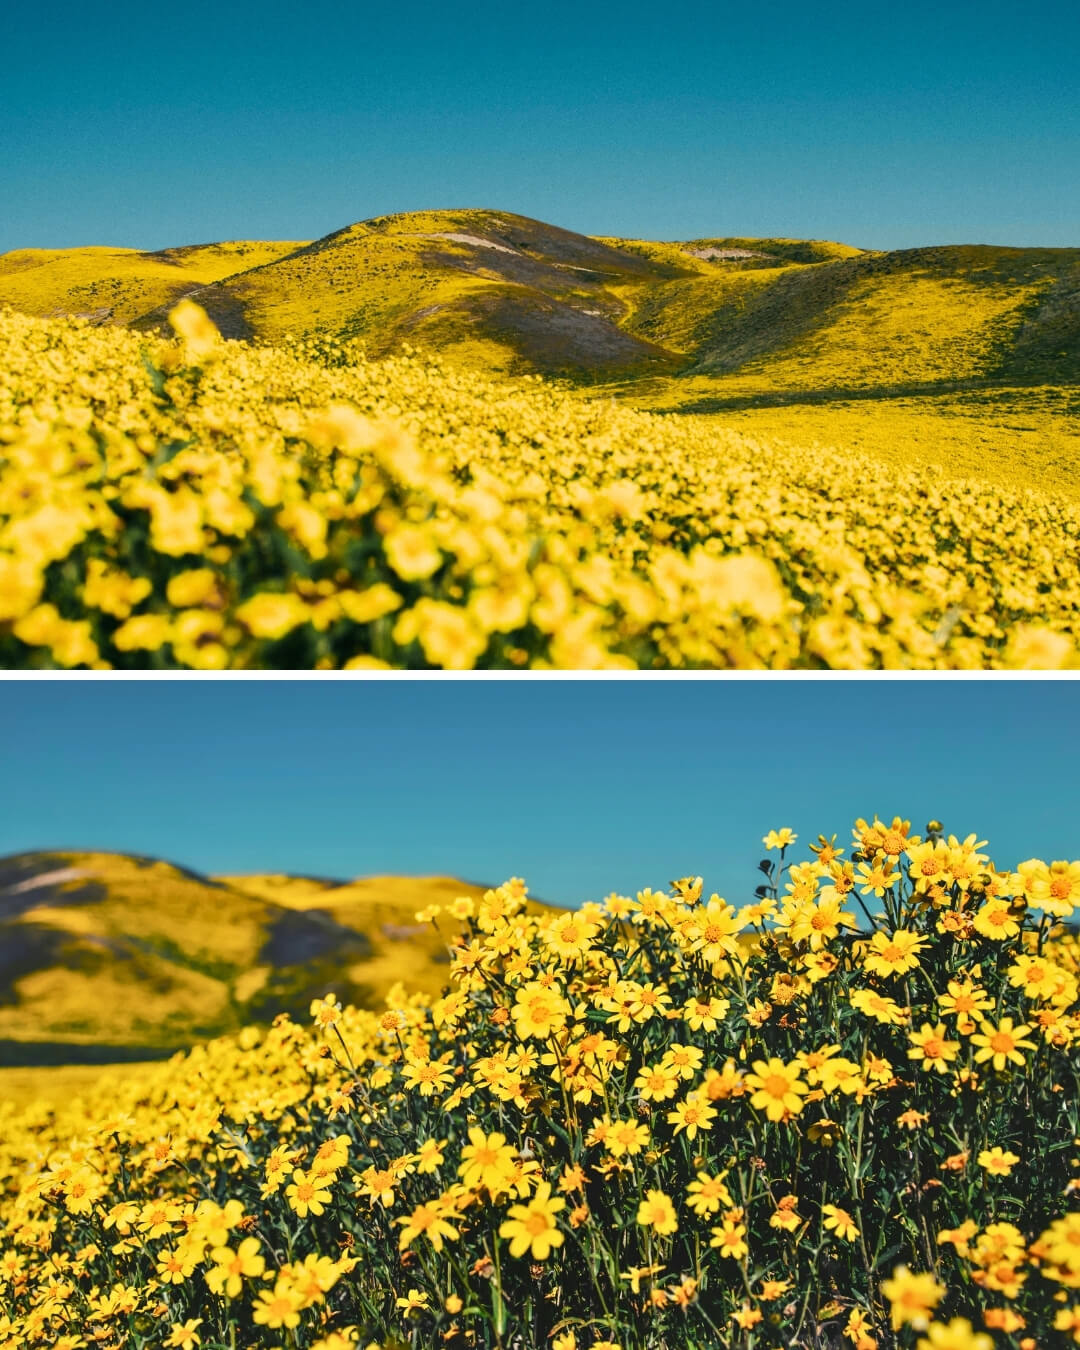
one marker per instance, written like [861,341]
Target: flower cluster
[844,1112]
[212,505]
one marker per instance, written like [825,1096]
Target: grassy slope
[110,956]
[117,285]
[963,360]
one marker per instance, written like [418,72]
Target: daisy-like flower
[1036,976]
[840,1222]
[778,1090]
[430,1155]
[692,1115]
[703,1014]
[429,1077]
[931,1047]
[729,1239]
[657,1082]
[912,1298]
[531,1227]
[278,1307]
[231,1268]
[816,923]
[658,1213]
[928,863]
[487,1160]
[686,1060]
[891,954]
[857,1329]
[706,1195]
[1057,890]
[568,937]
[996,920]
[963,999]
[307,1194]
[428,1220]
[878,877]
[712,929]
[879,1007]
[1002,1044]
[779,839]
[326,1011]
[539,1010]
[997,1161]
[184,1336]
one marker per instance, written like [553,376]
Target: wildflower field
[841,1114]
[216,505]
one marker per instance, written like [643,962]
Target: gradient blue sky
[581,787]
[882,125]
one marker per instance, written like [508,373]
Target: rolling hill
[961,360]
[119,285]
[733,319]
[108,957]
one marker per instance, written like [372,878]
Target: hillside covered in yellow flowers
[108,957]
[504,293]
[461,439]
[213,504]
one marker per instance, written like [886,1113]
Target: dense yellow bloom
[557,1144]
[454,520]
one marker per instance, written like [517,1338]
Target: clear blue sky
[581,787]
[883,125]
